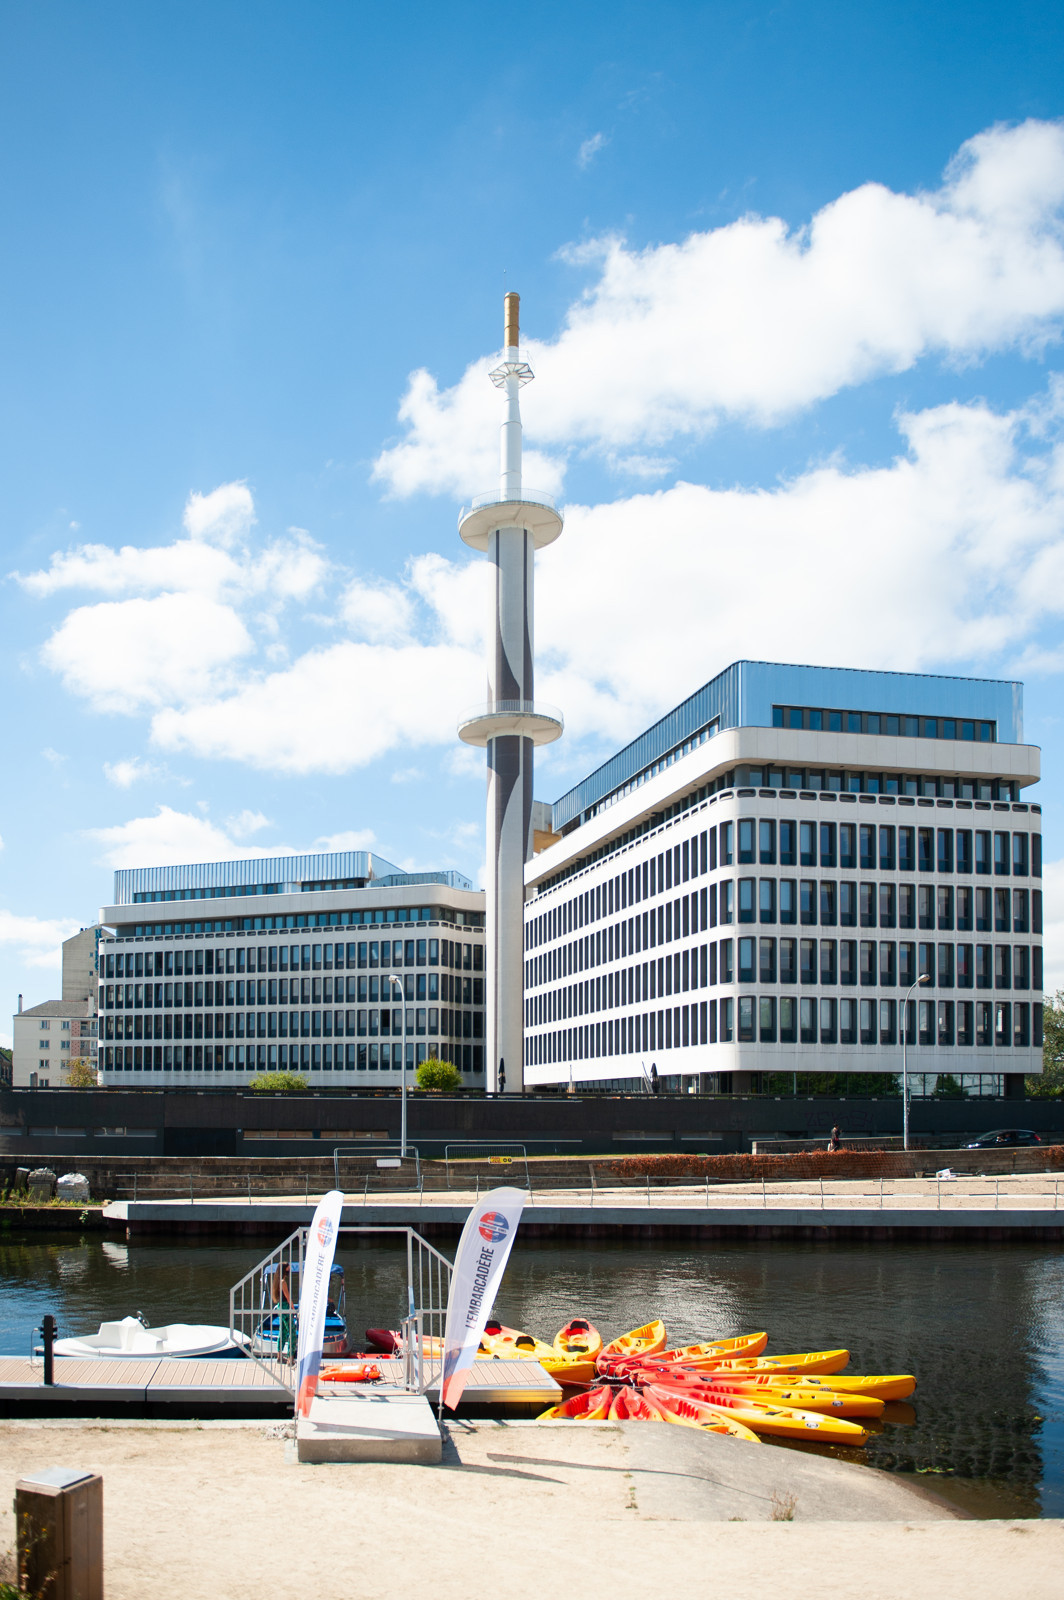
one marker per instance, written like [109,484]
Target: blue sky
[793,282]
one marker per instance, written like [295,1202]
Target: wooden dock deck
[228,1387]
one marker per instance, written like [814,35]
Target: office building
[326,965]
[758,883]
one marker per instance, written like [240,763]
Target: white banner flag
[483,1251]
[314,1295]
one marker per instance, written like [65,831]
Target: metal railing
[263,1318]
[368,1159]
[502,1155]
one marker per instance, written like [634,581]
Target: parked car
[999,1137]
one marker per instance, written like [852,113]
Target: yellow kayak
[829,1361]
[575,1348]
[644,1341]
[799,1395]
[784,1422]
[897,1387]
[746,1346]
[510,1344]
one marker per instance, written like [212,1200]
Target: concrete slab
[369,1427]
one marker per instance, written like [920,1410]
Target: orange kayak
[575,1349]
[797,1395]
[352,1372]
[644,1341]
[592,1406]
[697,1414]
[631,1406]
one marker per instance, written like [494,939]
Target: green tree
[1051,1082]
[948,1088]
[277,1083]
[439,1077]
[81,1075]
[845,1085]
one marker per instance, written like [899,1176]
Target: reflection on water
[981,1326]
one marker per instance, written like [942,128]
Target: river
[980,1325]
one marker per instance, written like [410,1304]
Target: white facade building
[47,1037]
[325,965]
[758,882]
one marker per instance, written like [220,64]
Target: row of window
[848,904]
[906,787]
[883,847]
[365,953]
[295,1024]
[772,1019]
[310,919]
[846,963]
[819,719]
[294,1058]
[849,846]
[824,903]
[412,986]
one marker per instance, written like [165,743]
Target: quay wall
[162,1123]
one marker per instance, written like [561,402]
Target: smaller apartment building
[326,965]
[760,882]
[46,1038]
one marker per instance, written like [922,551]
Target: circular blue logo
[494,1227]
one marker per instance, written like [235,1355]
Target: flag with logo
[483,1251]
[314,1295]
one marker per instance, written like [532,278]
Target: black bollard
[48,1329]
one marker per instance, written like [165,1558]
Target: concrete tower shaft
[509,527]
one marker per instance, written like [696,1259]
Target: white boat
[130,1338]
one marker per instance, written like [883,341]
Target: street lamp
[924,977]
[402,1136]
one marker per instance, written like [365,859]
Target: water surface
[980,1325]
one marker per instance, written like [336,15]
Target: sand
[529,1513]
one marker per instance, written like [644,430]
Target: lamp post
[925,977]
[402,1081]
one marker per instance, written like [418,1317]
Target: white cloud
[134,769]
[381,613]
[222,517]
[590,149]
[36,940]
[53,757]
[408,775]
[122,655]
[245,823]
[332,710]
[180,838]
[754,320]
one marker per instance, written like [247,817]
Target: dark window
[767,962]
[868,848]
[906,905]
[906,850]
[827,904]
[827,844]
[767,1019]
[746,1018]
[887,966]
[808,955]
[808,903]
[984,969]
[827,961]
[983,905]
[886,905]
[1001,855]
[1019,855]
[1001,910]
[945,849]
[828,1013]
[888,1010]
[965,1028]
[788,844]
[1002,966]
[906,963]
[945,966]
[868,1022]
[886,849]
[746,900]
[964,909]
[766,847]
[807,843]
[982,850]
[965,967]
[788,900]
[847,1022]
[847,846]
[746,960]
[788,1019]
[926,841]
[1021,922]
[807,1021]
[767,899]
[788,961]
[868,905]
[945,907]
[848,962]
[746,840]
[964,850]
[848,905]
[868,963]
[925,900]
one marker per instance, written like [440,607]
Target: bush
[277,1083]
[438,1077]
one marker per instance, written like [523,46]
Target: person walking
[835,1139]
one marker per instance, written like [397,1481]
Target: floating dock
[235,1388]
